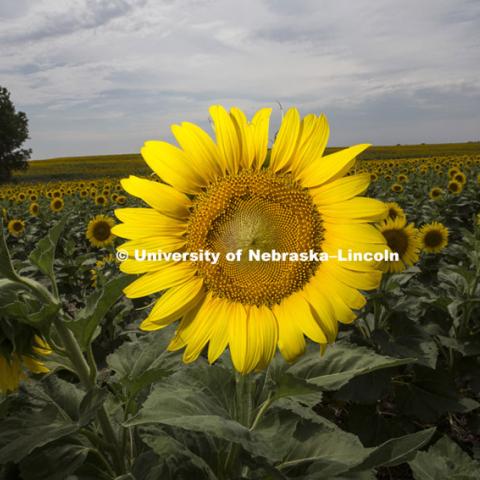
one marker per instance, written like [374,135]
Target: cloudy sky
[103,76]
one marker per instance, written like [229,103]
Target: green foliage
[445,459]
[13,133]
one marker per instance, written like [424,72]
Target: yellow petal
[227,138]
[355,279]
[244,134]
[159,196]
[331,166]
[237,336]
[321,306]
[358,209]
[259,128]
[219,337]
[168,276]
[291,341]
[174,303]
[286,142]
[341,189]
[262,337]
[146,222]
[200,150]
[172,166]
[153,244]
[198,332]
[312,142]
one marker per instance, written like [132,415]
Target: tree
[13,133]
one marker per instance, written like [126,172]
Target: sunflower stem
[84,373]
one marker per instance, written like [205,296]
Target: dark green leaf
[97,306]
[444,460]
[44,253]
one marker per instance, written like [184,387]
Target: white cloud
[130,68]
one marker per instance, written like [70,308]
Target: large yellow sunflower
[231,196]
[401,239]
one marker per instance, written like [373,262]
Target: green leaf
[44,253]
[341,363]
[198,399]
[430,395]
[445,459]
[97,306]
[90,404]
[6,267]
[396,450]
[310,448]
[20,435]
[171,451]
[143,361]
[56,461]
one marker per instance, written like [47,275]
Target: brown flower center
[255,212]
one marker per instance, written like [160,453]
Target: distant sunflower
[57,204]
[121,199]
[16,227]
[460,177]
[455,187]
[34,209]
[435,193]
[394,210]
[403,240]
[226,197]
[402,178]
[99,231]
[101,200]
[434,237]
[397,188]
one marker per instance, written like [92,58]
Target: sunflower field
[118,367]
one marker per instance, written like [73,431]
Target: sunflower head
[402,178]
[403,240]
[225,197]
[16,227]
[460,177]
[455,187]
[435,193]
[57,204]
[101,200]
[20,351]
[395,210]
[433,237]
[397,188]
[99,231]
[34,209]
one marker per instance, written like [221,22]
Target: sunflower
[33,209]
[14,365]
[225,197]
[99,231]
[460,177]
[402,178]
[16,227]
[101,200]
[394,210]
[121,199]
[401,239]
[434,237]
[397,188]
[435,193]
[455,187]
[57,204]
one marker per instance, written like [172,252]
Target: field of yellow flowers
[92,386]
